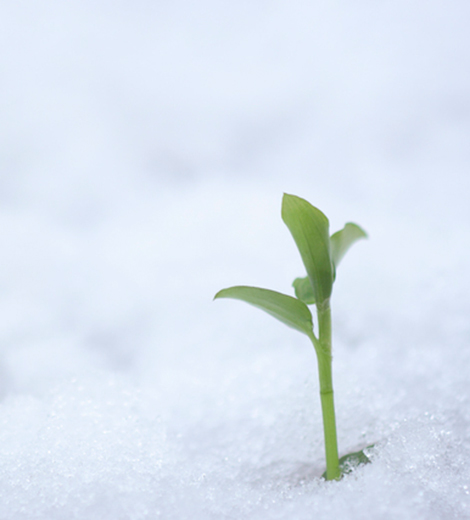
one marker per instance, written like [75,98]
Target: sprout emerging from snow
[321,255]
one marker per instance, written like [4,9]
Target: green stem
[323,349]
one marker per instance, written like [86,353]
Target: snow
[144,151]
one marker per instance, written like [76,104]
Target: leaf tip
[218,295]
[361,232]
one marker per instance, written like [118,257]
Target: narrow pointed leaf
[303,290]
[287,309]
[310,230]
[342,240]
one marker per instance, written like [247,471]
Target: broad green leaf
[310,230]
[303,290]
[342,240]
[287,309]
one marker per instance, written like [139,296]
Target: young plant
[321,255]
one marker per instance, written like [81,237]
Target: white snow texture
[144,150]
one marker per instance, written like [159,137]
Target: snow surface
[144,149]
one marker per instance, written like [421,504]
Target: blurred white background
[144,149]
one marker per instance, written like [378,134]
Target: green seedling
[321,255]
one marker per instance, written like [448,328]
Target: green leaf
[310,230]
[303,290]
[342,240]
[348,463]
[287,309]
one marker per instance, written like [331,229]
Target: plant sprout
[321,255]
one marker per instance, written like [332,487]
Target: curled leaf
[343,239]
[303,290]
